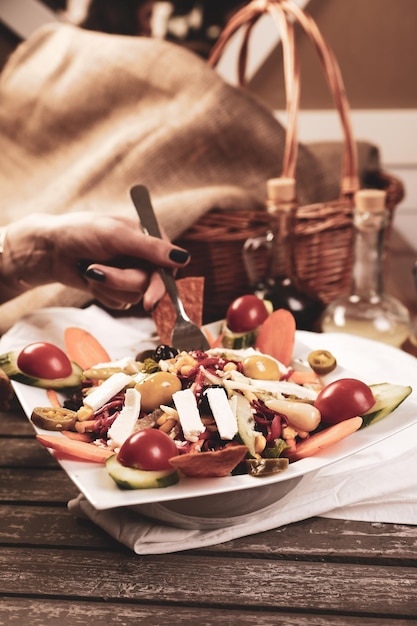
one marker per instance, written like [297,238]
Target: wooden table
[58,570]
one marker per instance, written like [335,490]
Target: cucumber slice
[238,341]
[246,424]
[388,397]
[8,363]
[131,478]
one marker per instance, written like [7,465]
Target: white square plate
[369,361]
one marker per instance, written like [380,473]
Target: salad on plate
[243,407]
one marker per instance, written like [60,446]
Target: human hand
[108,256]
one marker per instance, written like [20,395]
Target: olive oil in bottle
[367,310]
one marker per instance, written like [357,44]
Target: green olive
[260,367]
[51,418]
[157,389]
[322,362]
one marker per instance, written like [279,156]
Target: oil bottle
[367,310]
[280,284]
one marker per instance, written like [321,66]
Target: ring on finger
[125,306]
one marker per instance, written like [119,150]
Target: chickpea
[261,367]
[168,425]
[260,444]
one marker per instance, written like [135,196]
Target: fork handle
[143,205]
[142,201]
[172,291]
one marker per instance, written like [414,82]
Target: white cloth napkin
[378,485]
[120,336]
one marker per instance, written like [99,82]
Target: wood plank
[333,540]
[58,612]
[51,526]
[15,423]
[25,452]
[310,540]
[36,485]
[249,583]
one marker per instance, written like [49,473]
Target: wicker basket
[215,244]
[324,239]
[323,231]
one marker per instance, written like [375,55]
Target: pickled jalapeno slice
[322,362]
[53,418]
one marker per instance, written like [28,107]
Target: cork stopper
[370,200]
[281,189]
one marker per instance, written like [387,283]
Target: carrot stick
[85,426]
[77,436]
[53,398]
[214,342]
[327,437]
[277,335]
[82,348]
[77,450]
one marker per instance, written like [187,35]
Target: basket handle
[248,15]
[247,18]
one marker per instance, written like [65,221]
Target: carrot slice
[214,342]
[277,335]
[317,442]
[84,349]
[77,450]
[305,378]
[71,434]
[309,379]
[53,398]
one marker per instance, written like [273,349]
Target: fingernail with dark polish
[83,265]
[179,256]
[154,307]
[94,274]
[150,308]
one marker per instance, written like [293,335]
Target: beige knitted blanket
[85,115]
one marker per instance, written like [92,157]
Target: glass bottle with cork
[279,283]
[367,310]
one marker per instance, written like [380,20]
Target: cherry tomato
[147,449]
[246,313]
[343,399]
[44,360]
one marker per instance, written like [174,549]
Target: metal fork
[185,335]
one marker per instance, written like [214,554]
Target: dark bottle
[280,284]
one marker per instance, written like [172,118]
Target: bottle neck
[367,275]
[282,260]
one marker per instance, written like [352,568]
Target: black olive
[164,352]
[204,406]
[145,354]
